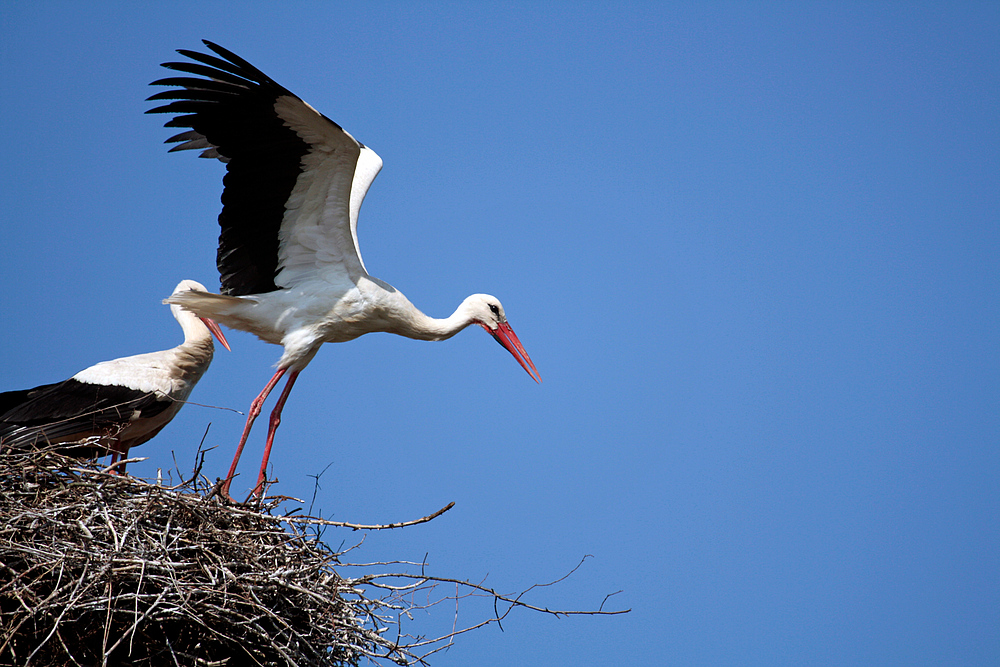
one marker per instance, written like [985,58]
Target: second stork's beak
[506,337]
[216,331]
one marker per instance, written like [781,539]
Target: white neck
[414,324]
[196,334]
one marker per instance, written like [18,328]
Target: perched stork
[289,261]
[114,405]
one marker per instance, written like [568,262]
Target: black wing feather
[71,410]
[233,109]
[212,73]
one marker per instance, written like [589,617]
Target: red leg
[118,452]
[275,420]
[254,411]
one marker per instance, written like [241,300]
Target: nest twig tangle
[104,569]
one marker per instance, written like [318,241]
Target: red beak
[216,331]
[506,337]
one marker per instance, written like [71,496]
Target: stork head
[180,315]
[486,311]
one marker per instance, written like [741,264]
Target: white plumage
[290,264]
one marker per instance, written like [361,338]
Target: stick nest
[97,568]
[105,569]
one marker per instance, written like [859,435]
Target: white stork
[114,405]
[290,266]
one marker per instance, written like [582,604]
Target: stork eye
[494,309]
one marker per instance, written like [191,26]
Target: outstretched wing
[295,179]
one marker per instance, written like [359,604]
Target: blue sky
[751,247]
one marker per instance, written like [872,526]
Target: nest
[98,568]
